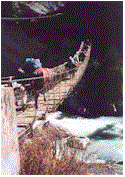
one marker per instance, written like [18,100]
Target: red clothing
[76,63]
[46,73]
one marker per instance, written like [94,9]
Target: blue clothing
[71,63]
[34,62]
[71,60]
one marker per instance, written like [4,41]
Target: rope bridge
[55,90]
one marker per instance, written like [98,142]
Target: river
[105,133]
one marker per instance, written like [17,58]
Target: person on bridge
[29,67]
[72,63]
[33,68]
[72,66]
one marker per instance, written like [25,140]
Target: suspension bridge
[55,92]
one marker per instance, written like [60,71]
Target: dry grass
[38,157]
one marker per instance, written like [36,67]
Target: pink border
[0,87]
[123,49]
[123,72]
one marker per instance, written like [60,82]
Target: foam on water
[83,126]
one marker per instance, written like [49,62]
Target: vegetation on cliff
[39,156]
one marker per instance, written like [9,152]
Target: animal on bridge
[36,85]
[45,75]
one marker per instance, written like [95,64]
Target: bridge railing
[10,78]
[56,79]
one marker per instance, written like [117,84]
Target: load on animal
[32,76]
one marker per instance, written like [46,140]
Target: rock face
[43,127]
[78,143]
[30,8]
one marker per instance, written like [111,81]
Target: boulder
[78,143]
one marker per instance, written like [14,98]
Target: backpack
[35,63]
